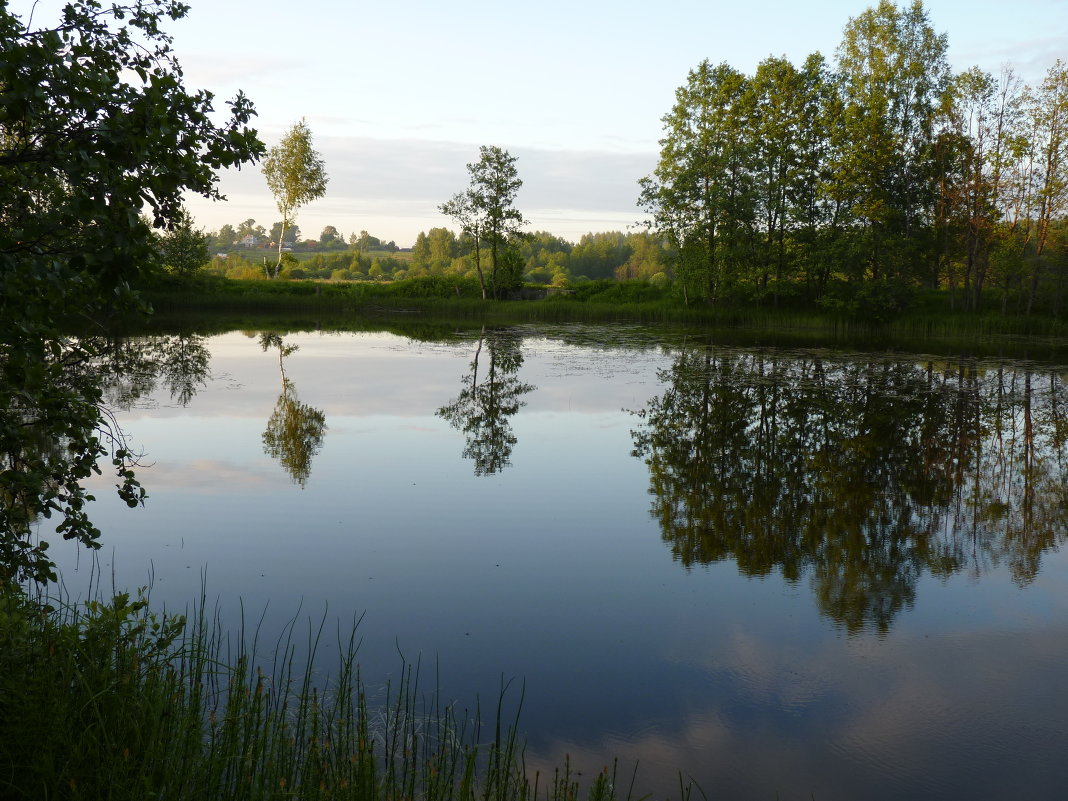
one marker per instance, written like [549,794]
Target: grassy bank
[110,701]
[594,301]
[449,304]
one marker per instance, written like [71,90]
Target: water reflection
[859,474]
[131,369]
[865,480]
[485,404]
[295,430]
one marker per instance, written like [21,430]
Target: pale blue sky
[401,94]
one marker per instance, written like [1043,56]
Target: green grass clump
[111,701]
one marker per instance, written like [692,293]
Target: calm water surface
[785,574]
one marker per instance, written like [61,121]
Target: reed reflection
[860,474]
[295,430]
[483,409]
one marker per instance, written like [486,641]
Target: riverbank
[435,306]
[594,301]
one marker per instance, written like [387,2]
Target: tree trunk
[281,239]
[493,269]
[478,267]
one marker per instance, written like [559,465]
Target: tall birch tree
[296,175]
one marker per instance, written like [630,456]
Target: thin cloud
[1030,58]
[205,475]
[221,70]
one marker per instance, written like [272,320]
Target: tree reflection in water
[295,430]
[59,427]
[860,474]
[130,369]
[485,404]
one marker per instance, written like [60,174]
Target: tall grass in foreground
[111,701]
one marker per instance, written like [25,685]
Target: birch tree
[296,175]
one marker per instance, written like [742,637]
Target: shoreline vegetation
[164,707]
[454,302]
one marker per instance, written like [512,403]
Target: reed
[113,701]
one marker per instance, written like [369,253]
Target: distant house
[250,241]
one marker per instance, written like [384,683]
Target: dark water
[782,573]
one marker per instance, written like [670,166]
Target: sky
[400,95]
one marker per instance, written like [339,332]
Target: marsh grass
[112,701]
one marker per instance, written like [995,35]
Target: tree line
[857,183]
[229,237]
[545,258]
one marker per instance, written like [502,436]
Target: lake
[781,572]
